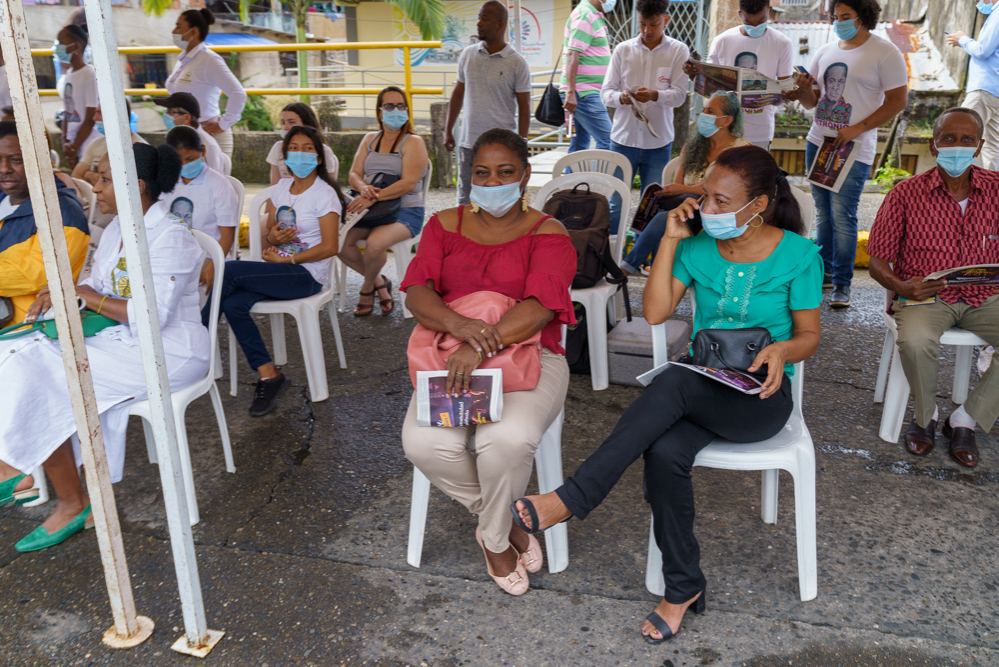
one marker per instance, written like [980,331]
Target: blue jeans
[648,164]
[836,220]
[590,120]
[647,242]
[246,283]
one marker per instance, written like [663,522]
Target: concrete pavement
[302,552]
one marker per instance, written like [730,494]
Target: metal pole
[408,70]
[518,28]
[133,232]
[128,629]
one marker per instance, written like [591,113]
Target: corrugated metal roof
[927,71]
[235,38]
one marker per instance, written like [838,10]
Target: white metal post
[128,629]
[133,232]
[518,28]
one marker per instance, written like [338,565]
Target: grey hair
[965,110]
[698,146]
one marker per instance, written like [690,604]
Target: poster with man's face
[183,208]
[832,108]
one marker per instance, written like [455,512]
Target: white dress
[36,416]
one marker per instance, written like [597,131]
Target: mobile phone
[946,32]
[800,70]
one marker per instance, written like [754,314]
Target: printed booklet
[743,382]
[977,274]
[482,405]
[755,90]
[831,165]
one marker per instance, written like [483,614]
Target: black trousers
[676,416]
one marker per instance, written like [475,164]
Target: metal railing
[312,46]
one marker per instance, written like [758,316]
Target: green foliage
[429,15]
[156,7]
[256,118]
[791,115]
[888,177]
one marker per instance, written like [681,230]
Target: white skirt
[36,415]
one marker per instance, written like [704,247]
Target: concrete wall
[949,15]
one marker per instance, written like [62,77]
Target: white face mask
[181,44]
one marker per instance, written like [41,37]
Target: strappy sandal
[387,286]
[359,309]
[697,606]
[529,506]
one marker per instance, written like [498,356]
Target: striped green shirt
[586,33]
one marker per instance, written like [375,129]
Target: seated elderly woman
[389,165]
[36,418]
[751,246]
[719,127]
[204,198]
[300,237]
[501,245]
[294,115]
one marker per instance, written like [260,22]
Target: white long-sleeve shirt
[205,75]
[633,65]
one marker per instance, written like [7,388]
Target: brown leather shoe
[919,440]
[963,447]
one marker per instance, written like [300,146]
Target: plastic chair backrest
[214,252]
[54,158]
[87,190]
[428,176]
[807,208]
[226,164]
[602,183]
[256,206]
[597,160]
[241,195]
[669,171]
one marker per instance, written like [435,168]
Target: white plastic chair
[669,171]
[402,251]
[597,299]
[897,385]
[807,205]
[548,459]
[38,474]
[791,450]
[54,158]
[306,314]
[95,232]
[226,164]
[181,398]
[237,185]
[596,160]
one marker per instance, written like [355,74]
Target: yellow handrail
[312,46]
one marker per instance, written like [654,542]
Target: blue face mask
[60,53]
[192,169]
[168,122]
[498,199]
[984,8]
[755,30]
[609,6]
[301,163]
[723,225]
[706,124]
[955,160]
[99,124]
[846,30]
[395,119]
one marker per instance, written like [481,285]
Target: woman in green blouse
[751,266]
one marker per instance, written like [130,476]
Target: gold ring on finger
[483,331]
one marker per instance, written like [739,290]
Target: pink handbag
[520,362]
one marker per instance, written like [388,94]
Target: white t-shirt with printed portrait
[79,91]
[770,55]
[852,85]
[207,203]
[303,212]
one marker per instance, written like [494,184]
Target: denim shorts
[412,217]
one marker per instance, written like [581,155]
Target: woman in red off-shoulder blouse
[498,244]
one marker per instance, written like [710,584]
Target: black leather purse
[731,349]
[550,110]
[381,212]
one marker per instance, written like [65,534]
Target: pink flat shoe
[532,558]
[515,583]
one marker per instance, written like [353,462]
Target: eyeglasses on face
[392,107]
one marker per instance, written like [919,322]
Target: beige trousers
[224,140]
[987,105]
[487,481]
[919,331]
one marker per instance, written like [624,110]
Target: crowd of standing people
[492,275]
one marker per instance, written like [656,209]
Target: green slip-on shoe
[8,495]
[40,538]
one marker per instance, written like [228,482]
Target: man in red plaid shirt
[942,219]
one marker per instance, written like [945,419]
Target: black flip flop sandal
[534,517]
[662,626]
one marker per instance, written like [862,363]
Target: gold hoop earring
[754,218]
[475,207]
[525,202]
